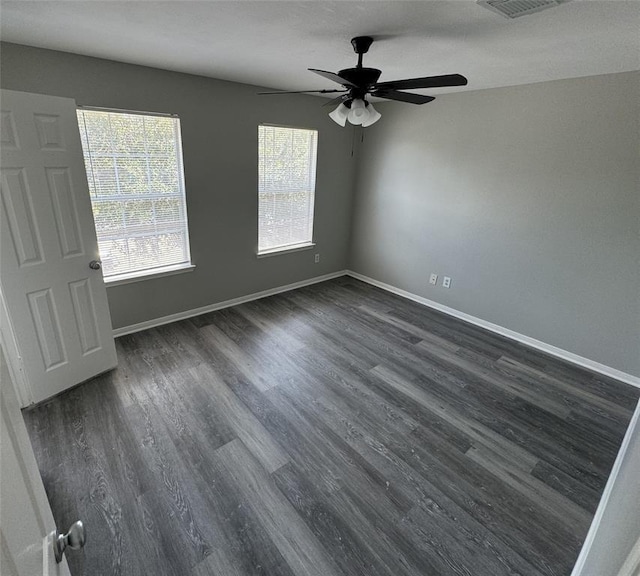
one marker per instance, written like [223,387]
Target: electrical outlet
[433,279]
[446,282]
[316,259]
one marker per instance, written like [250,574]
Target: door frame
[602,527]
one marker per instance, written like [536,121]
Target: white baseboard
[219,305]
[538,344]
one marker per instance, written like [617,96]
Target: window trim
[150,274]
[158,271]
[286,249]
[125,111]
[300,246]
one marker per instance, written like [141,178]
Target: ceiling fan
[359,82]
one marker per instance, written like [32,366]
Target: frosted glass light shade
[339,115]
[358,113]
[361,113]
[373,116]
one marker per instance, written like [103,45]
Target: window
[136,183]
[286,187]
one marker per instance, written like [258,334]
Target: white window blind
[286,186]
[136,182]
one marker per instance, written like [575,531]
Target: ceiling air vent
[517,8]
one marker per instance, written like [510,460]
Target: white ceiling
[272,43]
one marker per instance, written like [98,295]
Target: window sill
[148,275]
[286,249]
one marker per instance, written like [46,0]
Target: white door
[26,521]
[57,304]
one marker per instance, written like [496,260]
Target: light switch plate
[433,279]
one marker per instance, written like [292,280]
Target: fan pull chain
[353,138]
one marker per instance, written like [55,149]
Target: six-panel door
[57,304]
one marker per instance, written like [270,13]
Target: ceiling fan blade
[332,76]
[336,100]
[403,96]
[426,82]
[301,92]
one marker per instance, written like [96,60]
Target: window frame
[298,246]
[158,271]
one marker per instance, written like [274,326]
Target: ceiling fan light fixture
[373,116]
[358,113]
[339,115]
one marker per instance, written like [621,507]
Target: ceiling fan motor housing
[361,77]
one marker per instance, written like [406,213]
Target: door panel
[45,320]
[57,304]
[18,207]
[65,211]
[50,132]
[84,312]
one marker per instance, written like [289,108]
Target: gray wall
[219,132]
[528,197]
[619,513]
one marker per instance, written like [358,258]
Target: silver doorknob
[74,539]
[95,264]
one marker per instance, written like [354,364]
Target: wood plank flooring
[332,430]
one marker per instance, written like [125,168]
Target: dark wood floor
[333,430]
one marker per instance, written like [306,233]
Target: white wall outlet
[316,258]
[446,282]
[433,279]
